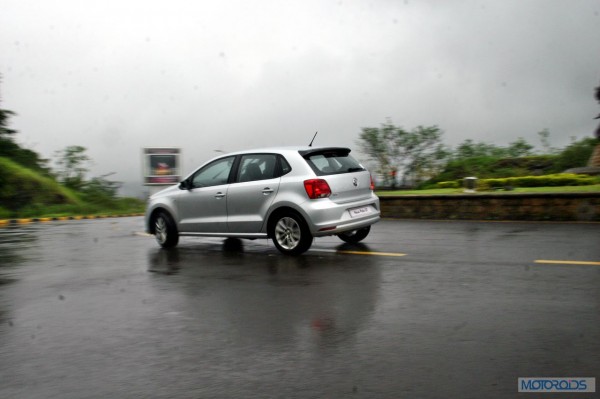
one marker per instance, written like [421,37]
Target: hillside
[22,188]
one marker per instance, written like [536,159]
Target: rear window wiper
[355,169]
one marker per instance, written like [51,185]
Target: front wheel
[355,236]
[290,234]
[165,231]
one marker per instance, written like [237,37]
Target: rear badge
[355,182]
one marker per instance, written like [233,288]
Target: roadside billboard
[161,166]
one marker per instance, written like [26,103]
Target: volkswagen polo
[290,195]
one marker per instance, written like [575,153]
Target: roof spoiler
[325,150]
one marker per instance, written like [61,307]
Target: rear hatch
[349,180]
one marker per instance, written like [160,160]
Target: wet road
[94,309]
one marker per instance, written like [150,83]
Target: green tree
[519,148]
[416,154]
[486,160]
[5,115]
[576,154]
[424,152]
[470,149]
[10,149]
[377,144]
[100,190]
[72,164]
[5,132]
[23,156]
[547,148]
[597,95]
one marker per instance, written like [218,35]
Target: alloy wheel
[288,233]
[160,230]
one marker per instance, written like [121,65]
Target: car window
[284,165]
[333,162]
[257,167]
[213,174]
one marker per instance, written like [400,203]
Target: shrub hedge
[448,184]
[555,180]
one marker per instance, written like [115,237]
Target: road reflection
[14,245]
[164,261]
[270,300]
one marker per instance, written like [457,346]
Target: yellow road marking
[567,262]
[371,253]
[333,251]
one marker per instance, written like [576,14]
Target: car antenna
[313,139]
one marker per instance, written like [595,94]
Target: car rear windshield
[331,161]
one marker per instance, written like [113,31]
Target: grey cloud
[116,76]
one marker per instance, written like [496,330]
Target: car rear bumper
[325,217]
[354,225]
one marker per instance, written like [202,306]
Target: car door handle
[219,195]
[267,190]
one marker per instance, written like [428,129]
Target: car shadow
[360,247]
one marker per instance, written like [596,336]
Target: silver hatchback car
[290,195]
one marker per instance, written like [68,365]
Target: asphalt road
[424,309]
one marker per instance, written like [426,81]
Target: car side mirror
[185,185]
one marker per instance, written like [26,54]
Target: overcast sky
[116,76]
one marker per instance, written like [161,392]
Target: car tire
[355,236]
[165,230]
[290,234]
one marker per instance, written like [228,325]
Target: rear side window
[332,162]
[255,167]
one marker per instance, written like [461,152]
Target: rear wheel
[290,234]
[165,230]
[355,236]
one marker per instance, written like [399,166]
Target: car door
[252,192]
[202,207]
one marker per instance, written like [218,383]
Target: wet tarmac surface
[94,309]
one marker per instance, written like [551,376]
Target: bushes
[524,166]
[555,180]
[488,162]
[475,166]
[5,213]
[448,184]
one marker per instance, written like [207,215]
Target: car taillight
[317,188]
[372,187]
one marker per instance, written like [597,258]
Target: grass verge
[118,207]
[457,191]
